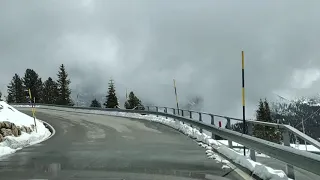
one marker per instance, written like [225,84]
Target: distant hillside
[306,109]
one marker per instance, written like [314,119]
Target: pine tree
[95,103]
[50,91]
[265,132]
[272,133]
[16,90]
[259,130]
[33,82]
[63,87]
[267,111]
[112,100]
[133,102]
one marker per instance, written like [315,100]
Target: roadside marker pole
[33,109]
[175,92]
[243,103]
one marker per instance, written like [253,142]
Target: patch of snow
[206,141]
[11,144]
[303,147]
[259,169]
[225,167]
[22,106]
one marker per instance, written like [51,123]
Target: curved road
[104,147]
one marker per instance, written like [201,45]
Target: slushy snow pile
[205,141]
[262,171]
[11,144]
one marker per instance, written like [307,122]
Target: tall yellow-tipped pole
[243,102]
[175,92]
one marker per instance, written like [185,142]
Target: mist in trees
[194,103]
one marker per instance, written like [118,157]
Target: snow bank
[264,172]
[207,142]
[11,144]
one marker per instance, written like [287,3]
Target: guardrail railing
[293,157]
[282,127]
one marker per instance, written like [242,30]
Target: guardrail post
[286,142]
[166,111]
[229,127]
[190,114]
[157,109]
[252,152]
[213,136]
[200,119]
[182,114]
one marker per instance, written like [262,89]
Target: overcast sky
[144,44]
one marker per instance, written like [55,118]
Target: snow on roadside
[296,146]
[11,144]
[264,172]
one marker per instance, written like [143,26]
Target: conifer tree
[16,90]
[271,133]
[33,82]
[259,130]
[263,114]
[95,103]
[133,102]
[50,91]
[111,100]
[63,87]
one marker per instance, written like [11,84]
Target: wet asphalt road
[103,147]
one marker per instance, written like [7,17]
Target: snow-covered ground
[295,146]
[207,142]
[264,172]
[11,144]
[211,145]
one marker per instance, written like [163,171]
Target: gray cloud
[144,44]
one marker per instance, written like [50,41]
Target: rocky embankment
[10,129]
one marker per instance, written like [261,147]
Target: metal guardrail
[252,122]
[302,159]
